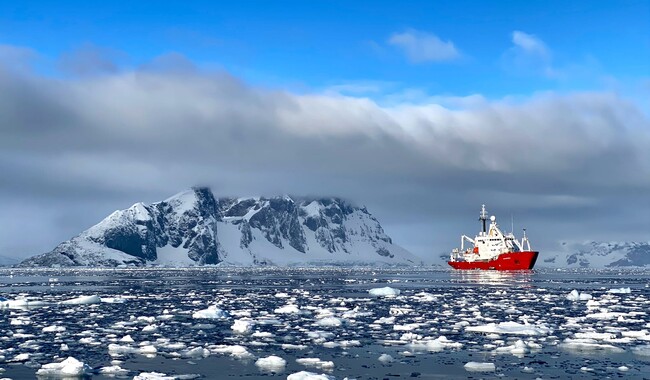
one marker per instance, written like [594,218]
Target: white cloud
[142,135]
[421,47]
[529,44]
[529,54]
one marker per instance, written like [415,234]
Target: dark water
[337,321]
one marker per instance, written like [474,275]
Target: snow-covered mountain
[195,228]
[600,255]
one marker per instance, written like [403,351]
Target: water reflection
[483,277]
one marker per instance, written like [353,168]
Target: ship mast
[483,218]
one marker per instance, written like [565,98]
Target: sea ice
[576,296]
[620,291]
[385,358]
[236,351]
[287,309]
[54,329]
[304,375]
[480,367]
[330,322]
[242,326]
[384,292]
[114,370]
[316,363]
[271,363]
[83,300]
[212,312]
[512,328]
[68,368]
[153,376]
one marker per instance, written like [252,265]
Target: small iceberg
[83,300]
[480,367]
[70,367]
[384,292]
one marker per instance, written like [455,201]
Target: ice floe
[577,296]
[82,300]
[271,363]
[479,367]
[511,328]
[305,375]
[70,367]
[212,312]
[384,292]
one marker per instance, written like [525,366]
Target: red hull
[505,261]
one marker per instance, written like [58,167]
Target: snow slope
[599,255]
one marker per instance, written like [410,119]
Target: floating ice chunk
[68,368]
[127,339]
[588,345]
[242,326]
[604,315]
[518,348]
[288,346]
[304,375]
[20,358]
[54,329]
[271,363]
[409,337]
[576,296]
[116,349]
[384,292]
[330,322]
[623,368]
[442,343]
[385,358]
[20,304]
[83,300]
[236,351]
[620,291]
[113,299]
[642,350]
[512,328]
[212,312]
[594,335]
[197,352]
[150,328]
[316,363]
[385,321]
[288,309]
[114,370]
[153,376]
[480,367]
[399,310]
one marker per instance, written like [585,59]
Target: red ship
[493,250]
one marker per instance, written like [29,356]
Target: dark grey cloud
[570,166]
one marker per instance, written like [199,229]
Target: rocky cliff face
[195,228]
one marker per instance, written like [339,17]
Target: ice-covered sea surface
[323,323]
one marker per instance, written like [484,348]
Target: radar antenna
[483,218]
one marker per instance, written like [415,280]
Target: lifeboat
[492,249]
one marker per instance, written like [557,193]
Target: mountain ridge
[195,228]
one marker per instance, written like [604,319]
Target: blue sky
[312,45]
[420,110]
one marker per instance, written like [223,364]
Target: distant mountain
[195,228]
[600,255]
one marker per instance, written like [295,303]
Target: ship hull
[505,261]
